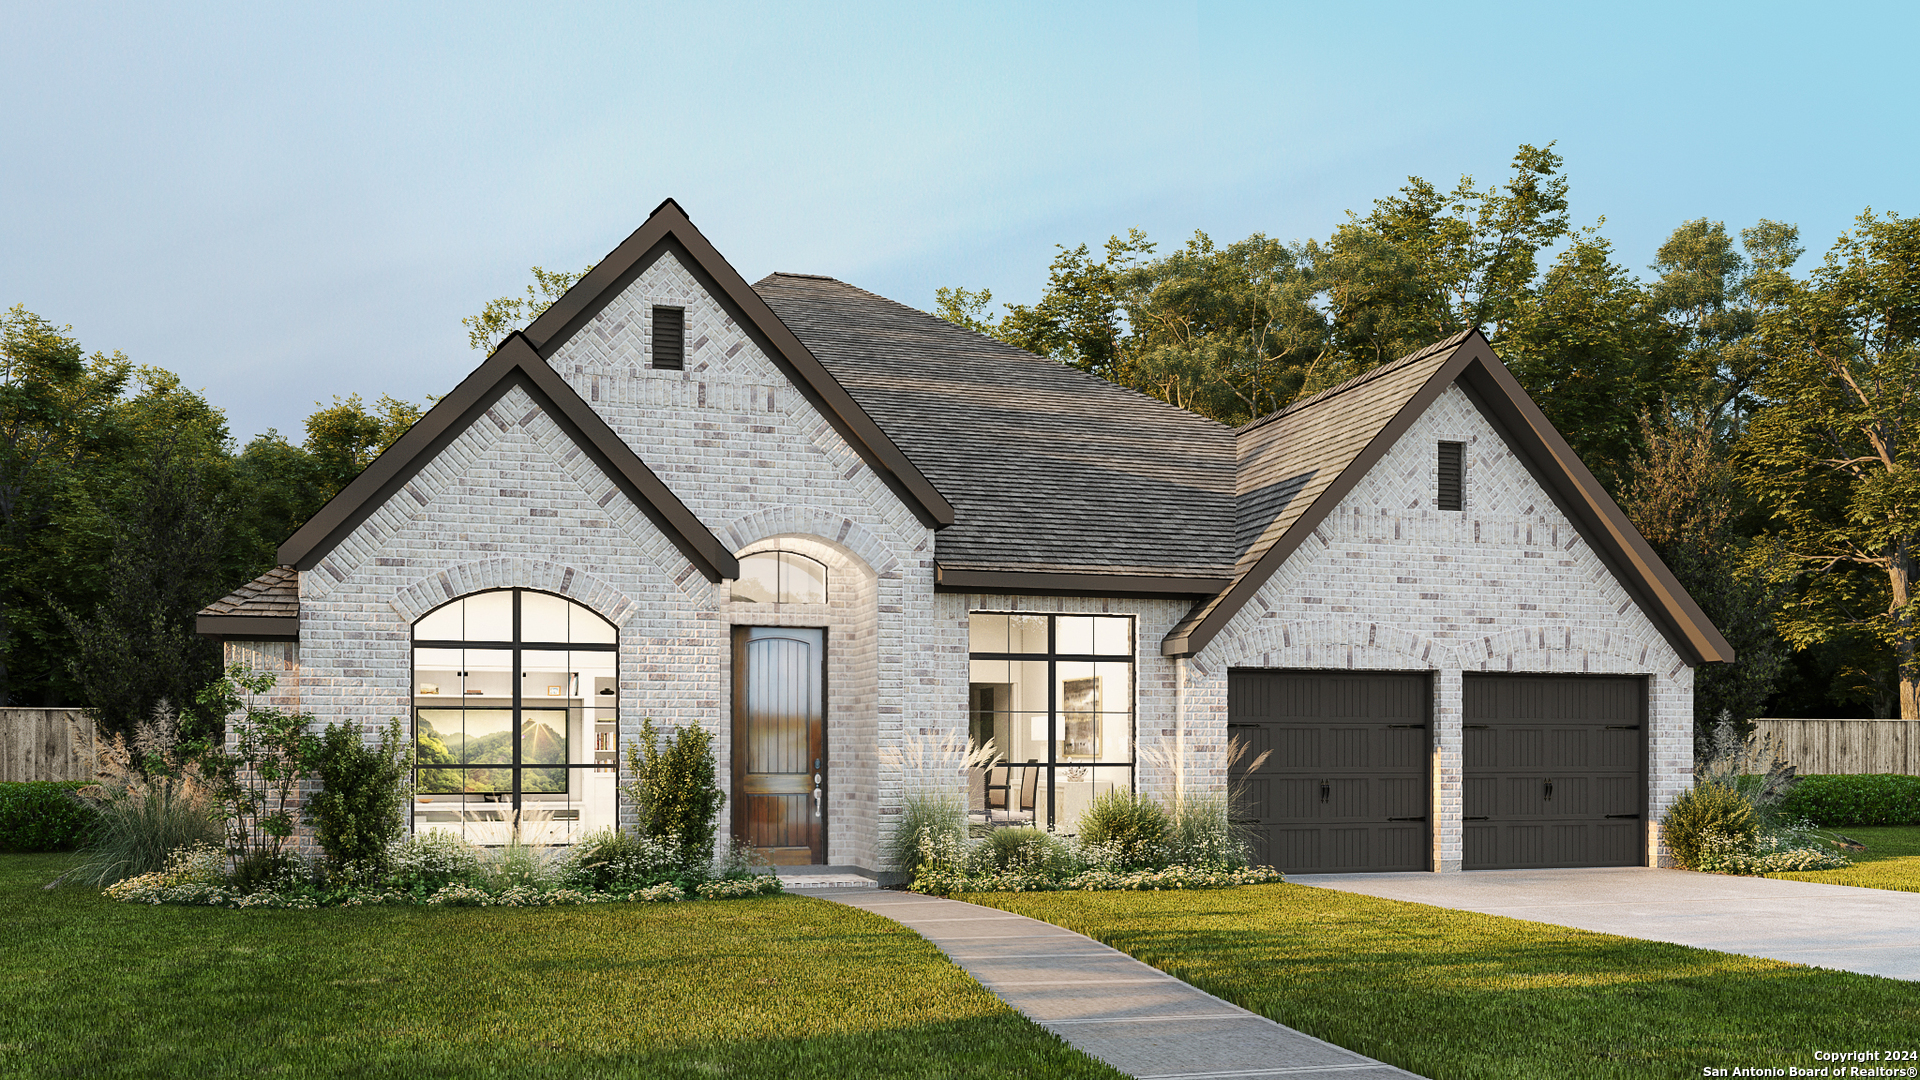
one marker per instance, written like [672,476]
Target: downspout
[1179,729]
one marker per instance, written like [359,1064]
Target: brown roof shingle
[274,594]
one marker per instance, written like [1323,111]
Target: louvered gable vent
[670,338]
[1450,475]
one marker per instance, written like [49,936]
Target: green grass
[1455,994]
[777,986]
[1891,861]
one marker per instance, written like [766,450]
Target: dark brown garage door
[1345,786]
[1555,770]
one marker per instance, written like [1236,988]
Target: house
[846,537]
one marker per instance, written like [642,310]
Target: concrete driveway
[1873,931]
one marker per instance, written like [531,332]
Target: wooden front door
[779,742]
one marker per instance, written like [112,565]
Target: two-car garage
[1334,770]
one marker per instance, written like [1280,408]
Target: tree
[1684,496]
[1426,264]
[1833,450]
[1592,353]
[1228,332]
[1078,320]
[509,313]
[966,308]
[1703,294]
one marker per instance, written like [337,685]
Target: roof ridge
[1369,375]
[1022,354]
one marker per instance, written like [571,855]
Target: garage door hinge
[1422,817]
[1417,727]
[1635,816]
[1623,727]
[1476,819]
[1476,727]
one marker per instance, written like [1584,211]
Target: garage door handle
[1326,791]
[1549,791]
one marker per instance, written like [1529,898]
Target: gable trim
[514,363]
[668,229]
[1551,461]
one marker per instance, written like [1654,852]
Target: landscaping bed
[1451,994]
[772,986]
[1890,861]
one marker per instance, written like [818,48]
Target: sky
[284,204]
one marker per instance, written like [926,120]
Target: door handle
[1326,790]
[1549,790]
[816,796]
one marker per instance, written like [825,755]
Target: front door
[779,742]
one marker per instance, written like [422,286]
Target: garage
[1343,786]
[1554,768]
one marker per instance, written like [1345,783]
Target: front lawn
[1891,861]
[775,986]
[1457,994]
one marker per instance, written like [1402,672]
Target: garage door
[1555,771]
[1344,784]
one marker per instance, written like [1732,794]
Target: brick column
[1445,811]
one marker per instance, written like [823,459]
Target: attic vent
[1450,475]
[670,338]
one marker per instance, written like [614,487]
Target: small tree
[357,810]
[256,777]
[674,791]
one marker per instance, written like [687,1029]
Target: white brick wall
[1390,582]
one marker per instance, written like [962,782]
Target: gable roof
[668,229]
[514,363]
[1061,481]
[1297,464]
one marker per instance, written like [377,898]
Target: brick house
[847,538]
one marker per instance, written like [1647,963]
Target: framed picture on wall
[1080,718]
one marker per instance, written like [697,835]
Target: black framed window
[1054,695]
[515,718]
[780,577]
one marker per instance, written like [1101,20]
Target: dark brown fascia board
[248,627]
[1196,637]
[1040,583]
[1580,496]
[514,363]
[669,229]
[1553,464]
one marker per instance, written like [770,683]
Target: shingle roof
[274,594]
[1049,469]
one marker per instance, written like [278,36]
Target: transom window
[515,718]
[1054,696]
[780,577]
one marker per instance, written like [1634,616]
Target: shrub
[1124,831]
[1752,765]
[1841,801]
[1202,835]
[1029,851]
[1791,846]
[1708,810]
[430,861]
[609,860]
[44,815]
[933,814]
[675,793]
[187,875]
[358,811]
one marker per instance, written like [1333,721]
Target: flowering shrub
[948,864]
[438,869]
[1795,846]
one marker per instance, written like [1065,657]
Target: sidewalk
[1104,1003]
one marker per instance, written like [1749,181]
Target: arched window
[515,716]
[780,577]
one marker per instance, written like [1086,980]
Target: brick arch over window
[509,572]
[834,529]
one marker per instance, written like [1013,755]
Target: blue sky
[283,205]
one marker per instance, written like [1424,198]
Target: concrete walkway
[1103,1002]
[1872,931]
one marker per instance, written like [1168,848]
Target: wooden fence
[1847,746]
[46,744]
